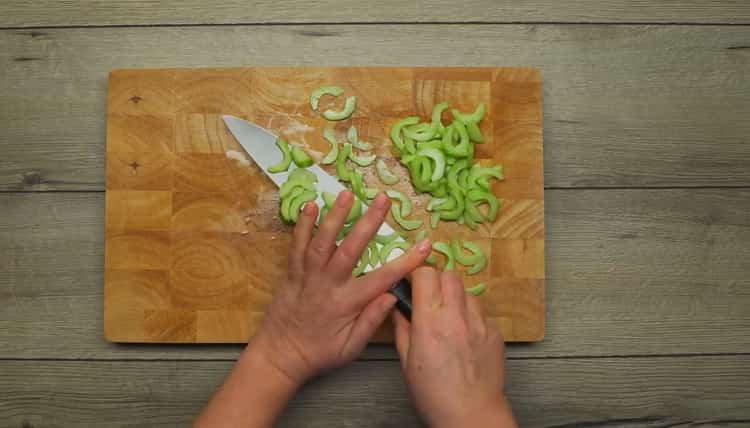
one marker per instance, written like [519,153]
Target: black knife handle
[402,291]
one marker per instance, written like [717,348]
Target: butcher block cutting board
[194,244]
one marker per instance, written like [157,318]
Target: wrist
[283,361]
[259,364]
[496,414]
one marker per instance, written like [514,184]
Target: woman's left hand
[323,317]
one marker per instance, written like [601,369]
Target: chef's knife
[260,144]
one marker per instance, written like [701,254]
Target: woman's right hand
[452,361]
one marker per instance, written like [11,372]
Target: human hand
[323,317]
[452,361]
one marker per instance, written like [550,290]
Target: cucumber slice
[364,260]
[481,261]
[477,290]
[301,158]
[364,160]
[349,105]
[475,134]
[323,90]
[370,192]
[372,247]
[385,175]
[287,201]
[404,223]
[355,213]
[402,199]
[333,153]
[395,133]
[439,162]
[353,139]
[479,176]
[328,199]
[303,175]
[445,249]
[384,239]
[388,248]
[434,220]
[475,117]
[343,171]
[286,159]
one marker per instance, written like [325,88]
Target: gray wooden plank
[632,392]
[630,272]
[624,105]
[49,13]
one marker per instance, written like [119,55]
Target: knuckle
[317,248]
[348,252]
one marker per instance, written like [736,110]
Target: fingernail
[380,201]
[343,198]
[309,208]
[424,246]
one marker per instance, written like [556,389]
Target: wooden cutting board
[194,245]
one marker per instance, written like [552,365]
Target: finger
[323,243]
[382,279]
[349,251]
[474,314]
[368,321]
[454,296]
[402,332]
[301,238]
[425,291]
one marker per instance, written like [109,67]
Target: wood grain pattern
[632,392]
[17,13]
[201,232]
[630,272]
[625,106]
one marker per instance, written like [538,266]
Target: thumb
[369,320]
[402,332]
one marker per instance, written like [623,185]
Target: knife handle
[402,291]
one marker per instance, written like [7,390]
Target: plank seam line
[571,358]
[731,187]
[376,23]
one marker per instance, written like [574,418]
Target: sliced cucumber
[323,90]
[402,199]
[287,157]
[388,248]
[385,175]
[353,139]
[477,290]
[404,223]
[349,105]
[301,158]
[333,153]
[445,249]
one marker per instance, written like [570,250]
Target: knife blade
[260,145]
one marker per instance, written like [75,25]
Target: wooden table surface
[647,155]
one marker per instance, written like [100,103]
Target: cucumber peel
[301,158]
[287,157]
